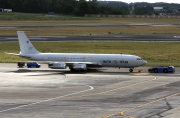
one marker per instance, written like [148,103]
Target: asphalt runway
[85,25]
[164,38]
[103,93]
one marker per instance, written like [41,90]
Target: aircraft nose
[144,62]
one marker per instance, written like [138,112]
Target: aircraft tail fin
[25,44]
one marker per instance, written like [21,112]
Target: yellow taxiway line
[104,92]
[140,106]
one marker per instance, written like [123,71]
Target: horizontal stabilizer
[12,54]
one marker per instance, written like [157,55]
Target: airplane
[76,61]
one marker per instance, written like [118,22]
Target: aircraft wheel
[131,70]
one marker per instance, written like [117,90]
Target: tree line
[145,8]
[69,7]
[81,7]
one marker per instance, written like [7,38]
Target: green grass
[38,17]
[44,19]
[156,53]
[23,19]
[94,31]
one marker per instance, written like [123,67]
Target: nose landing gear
[131,70]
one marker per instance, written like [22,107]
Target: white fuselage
[104,60]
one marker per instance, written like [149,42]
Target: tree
[125,10]
[83,8]
[93,7]
[105,10]
[146,10]
[68,9]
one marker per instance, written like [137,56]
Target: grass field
[156,53]
[41,20]
[85,31]
[44,19]
[22,19]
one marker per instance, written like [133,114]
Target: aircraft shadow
[43,72]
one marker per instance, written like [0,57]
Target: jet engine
[57,65]
[79,67]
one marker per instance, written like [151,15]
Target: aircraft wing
[67,63]
[49,62]
[88,63]
[71,63]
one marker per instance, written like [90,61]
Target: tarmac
[96,93]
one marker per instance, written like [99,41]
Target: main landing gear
[131,70]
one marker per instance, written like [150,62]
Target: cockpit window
[139,59]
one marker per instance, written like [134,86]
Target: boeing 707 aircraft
[76,61]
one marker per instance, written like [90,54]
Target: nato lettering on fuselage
[115,61]
[106,61]
[123,61]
